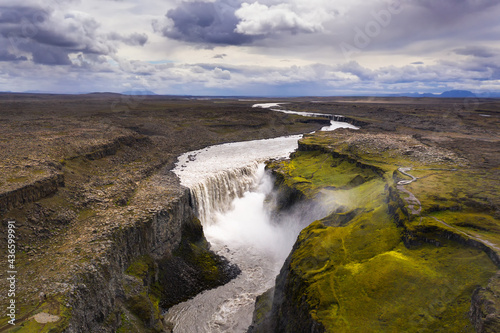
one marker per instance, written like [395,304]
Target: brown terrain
[76,171]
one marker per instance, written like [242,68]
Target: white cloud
[221,74]
[268,46]
[259,19]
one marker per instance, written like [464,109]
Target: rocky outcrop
[485,305]
[110,148]
[31,192]
[192,268]
[305,146]
[290,311]
[285,196]
[163,247]
[339,252]
[261,319]
[48,185]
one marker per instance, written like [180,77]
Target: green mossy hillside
[353,268]
[312,171]
[359,280]
[54,306]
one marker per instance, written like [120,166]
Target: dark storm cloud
[475,51]
[6,56]
[135,39]
[205,22]
[47,37]
[16,15]
[50,36]
[451,16]
[50,56]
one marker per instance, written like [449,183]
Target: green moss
[310,171]
[131,324]
[86,213]
[262,312]
[198,255]
[141,306]
[18,179]
[406,290]
[156,290]
[194,249]
[54,306]
[477,222]
[141,267]
[125,324]
[360,279]
[352,267]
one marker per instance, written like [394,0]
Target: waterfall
[243,230]
[219,174]
[215,193]
[229,187]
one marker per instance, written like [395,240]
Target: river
[231,192]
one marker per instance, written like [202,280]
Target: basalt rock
[485,307]
[31,192]
[170,257]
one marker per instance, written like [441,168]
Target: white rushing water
[229,188]
[218,174]
[337,121]
[246,235]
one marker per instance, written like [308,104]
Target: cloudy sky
[265,47]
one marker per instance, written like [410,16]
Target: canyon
[109,236]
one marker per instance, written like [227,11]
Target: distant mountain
[418,95]
[139,92]
[41,92]
[458,94]
[105,93]
[488,95]
[446,94]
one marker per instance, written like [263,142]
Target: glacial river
[229,186]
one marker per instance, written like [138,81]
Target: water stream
[229,189]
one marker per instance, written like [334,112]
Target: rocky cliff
[106,236]
[376,261]
[153,263]
[31,192]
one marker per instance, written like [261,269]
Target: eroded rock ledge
[32,192]
[166,260]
